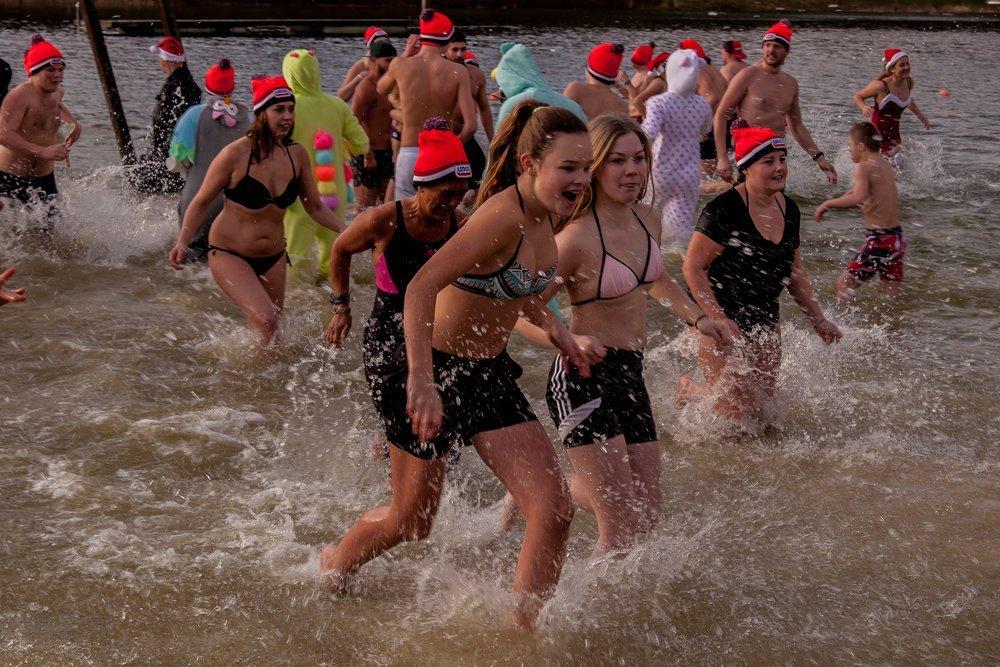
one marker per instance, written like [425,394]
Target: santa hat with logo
[643,54]
[734,48]
[220,79]
[658,61]
[753,143]
[269,90]
[604,62]
[373,33]
[694,45]
[893,56]
[779,32]
[469,58]
[435,28]
[440,153]
[40,55]
[169,49]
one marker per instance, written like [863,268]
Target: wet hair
[530,128]
[263,140]
[458,36]
[866,135]
[727,46]
[604,132]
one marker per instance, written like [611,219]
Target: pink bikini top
[618,279]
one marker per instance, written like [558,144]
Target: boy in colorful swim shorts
[875,193]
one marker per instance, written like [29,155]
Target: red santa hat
[779,32]
[658,61]
[435,27]
[643,54]
[169,49]
[893,56]
[753,143]
[734,48]
[695,46]
[270,90]
[373,33]
[469,58]
[440,153]
[220,79]
[604,62]
[40,55]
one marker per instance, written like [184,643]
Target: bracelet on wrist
[818,156]
[697,319]
[340,299]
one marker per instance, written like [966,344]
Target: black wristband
[817,156]
[340,299]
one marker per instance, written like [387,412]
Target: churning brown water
[164,494]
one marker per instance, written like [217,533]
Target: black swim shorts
[381,173]
[477,161]
[707,147]
[613,401]
[27,189]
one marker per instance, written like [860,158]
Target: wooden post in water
[111,97]
[167,19]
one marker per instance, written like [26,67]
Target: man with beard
[458,53]
[374,169]
[764,96]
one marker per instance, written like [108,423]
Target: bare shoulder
[650,221]
[787,79]
[744,77]
[381,220]
[299,153]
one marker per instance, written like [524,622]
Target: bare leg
[689,390]
[846,284]
[892,288]
[416,494]
[737,389]
[260,299]
[522,458]
[644,459]
[603,484]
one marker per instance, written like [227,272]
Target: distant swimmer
[260,176]
[892,91]
[743,254]
[596,94]
[31,118]
[656,84]
[458,52]
[733,59]
[201,134]
[429,85]
[374,169]
[180,92]
[675,123]
[362,68]
[711,86]
[521,80]
[875,193]
[764,96]
[10,295]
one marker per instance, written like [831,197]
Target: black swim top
[254,195]
[511,281]
[404,255]
[750,274]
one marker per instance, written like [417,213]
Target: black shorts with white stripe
[613,401]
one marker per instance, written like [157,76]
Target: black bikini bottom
[259,265]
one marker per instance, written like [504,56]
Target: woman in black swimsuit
[744,252]
[247,242]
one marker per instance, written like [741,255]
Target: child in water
[875,193]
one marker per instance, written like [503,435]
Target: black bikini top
[254,195]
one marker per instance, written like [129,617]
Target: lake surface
[163,496]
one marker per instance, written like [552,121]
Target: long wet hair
[263,140]
[604,132]
[530,128]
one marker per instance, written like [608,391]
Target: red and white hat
[169,49]
[753,143]
[40,55]
[658,61]
[893,56]
[220,79]
[435,27]
[779,32]
[269,90]
[469,58]
[734,48]
[604,61]
[695,46]
[643,54]
[373,33]
[440,153]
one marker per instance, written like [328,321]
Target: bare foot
[688,390]
[333,580]
[508,514]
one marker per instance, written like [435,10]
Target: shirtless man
[373,170]
[640,63]
[732,59]
[429,85]
[595,93]
[30,119]
[655,84]
[359,70]
[765,96]
[711,86]
[458,52]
